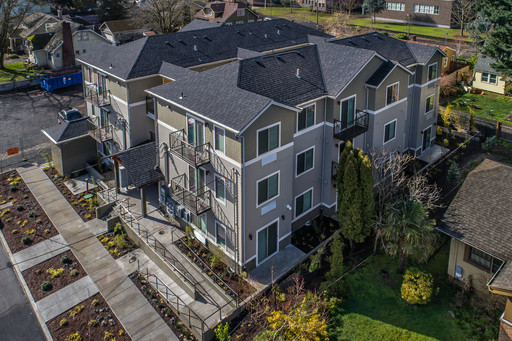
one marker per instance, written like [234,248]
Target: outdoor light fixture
[282,217]
[250,236]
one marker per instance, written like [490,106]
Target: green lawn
[299,14]
[437,32]
[492,106]
[16,72]
[374,309]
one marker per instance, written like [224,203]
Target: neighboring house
[34,23]
[449,63]
[121,31]
[427,12]
[62,45]
[487,79]
[198,24]
[227,13]
[478,222]
[250,120]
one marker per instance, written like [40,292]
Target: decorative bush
[37,271]
[120,240]
[401,36]
[26,240]
[74,337]
[55,272]
[79,308]
[489,143]
[417,287]
[39,221]
[63,322]
[92,323]
[47,231]
[13,188]
[439,131]
[65,259]
[446,142]
[453,172]
[73,273]
[46,285]
[14,231]
[8,220]
[95,303]
[19,208]
[31,214]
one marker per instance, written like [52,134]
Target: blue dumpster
[60,80]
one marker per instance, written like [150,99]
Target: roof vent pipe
[181,97]
[298,73]
[195,48]
[266,35]
[279,32]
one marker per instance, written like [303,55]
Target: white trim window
[199,221]
[305,161]
[429,104]
[426,9]
[240,12]
[392,93]
[220,234]
[432,72]
[306,118]
[267,243]
[395,6]
[489,78]
[267,189]
[348,111]
[445,61]
[303,203]
[219,139]
[390,131]
[268,138]
[220,188]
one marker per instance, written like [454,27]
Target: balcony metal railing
[96,96]
[100,134]
[196,202]
[348,130]
[194,155]
[334,170]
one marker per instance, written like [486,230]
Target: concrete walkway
[132,309]
[40,252]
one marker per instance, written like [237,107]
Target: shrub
[93,323]
[453,172]
[26,240]
[446,142]
[417,287]
[8,220]
[118,229]
[74,337]
[13,188]
[31,214]
[65,259]
[63,322]
[25,196]
[29,232]
[489,143]
[19,208]
[107,336]
[222,332]
[439,131]
[37,271]
[47,231]
[39,221]
[46,285]
[95,302]
[401,36]
[216,256]
[120,241]
[79,308]
[55,272]
[14,231]
[73,273]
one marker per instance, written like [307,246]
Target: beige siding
[398,75]
[499,88]
[136,88]
[116,88]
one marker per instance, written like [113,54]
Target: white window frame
[355,107]
[429,141]
[197,227]
[384,131]
[278,188]
[428,72]
[314,118]
[277,250]
[312,189]
[214,136]
[395,6]
[433,104]
[297,161]
[445,61]
[258,138]
[240,12]
[197,119]
[397,93]
[225,247]
[217,176]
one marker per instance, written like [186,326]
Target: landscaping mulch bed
[238,284]
[117,242]
[37,274]
[94,321]
[81,205]
[307,237]
[25,219]
[161,307]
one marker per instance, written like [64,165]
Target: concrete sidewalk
[132,309]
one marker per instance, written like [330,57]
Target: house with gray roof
[478,222]
[486,78]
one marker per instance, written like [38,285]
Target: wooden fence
[485,126]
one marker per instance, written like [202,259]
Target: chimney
[59,14]
[68,52]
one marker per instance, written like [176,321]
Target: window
[195,131]
[389,131]
[484,260]
[220,234]
[220,139]
[77,52]
[489,78]
[240,12]
[267,241]
[303,202]
[453,58]
[306,118]
[348,111]
[90,74]
[268,188]
[239,22]
[305,161]
[392,93]
[445,62]
[199,221]
[220,188]
[424,9]
[395,6]
[432,72]
[429,104]
[228,24]
[268,139]
[249,21]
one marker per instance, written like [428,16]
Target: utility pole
[316,2]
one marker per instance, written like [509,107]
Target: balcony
[100,134]
[97,96]
[197,203]
[194,155]
[334,170]
[346,131]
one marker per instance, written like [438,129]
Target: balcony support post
[116,175]
[143,202]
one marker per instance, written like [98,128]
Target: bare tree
[463,13]
[163,15]
[337,23]
[12,13]
[350,5]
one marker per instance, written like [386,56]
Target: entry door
[196,179]
[267,242]
[426,139]
[195,131]
[347,112]
[104,118]
[102,85]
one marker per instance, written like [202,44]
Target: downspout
[366,133]
[157,139]
[323,155]
[243,201]
[412,110]
[128,112]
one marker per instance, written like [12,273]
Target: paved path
[40,252]
[132,309]
[17,319]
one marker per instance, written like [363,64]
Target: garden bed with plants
[161,307]
[92,319]
[308,237]
[212,261]
[85,207]
[24,223]
[117,242]
[53,274]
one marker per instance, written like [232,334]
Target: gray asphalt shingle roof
[68,130]
[175,72]
[140,164]
[198,24]
[381,73]
[483,64]
[144,56]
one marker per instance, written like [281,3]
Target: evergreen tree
[374,7]
[367,192]
[341,168]
[336,258]
[350,207]
[112,9]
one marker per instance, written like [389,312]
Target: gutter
[323,153]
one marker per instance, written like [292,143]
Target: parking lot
[24,114]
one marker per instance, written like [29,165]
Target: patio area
[433,154]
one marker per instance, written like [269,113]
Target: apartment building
[250,120]
[420,12]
